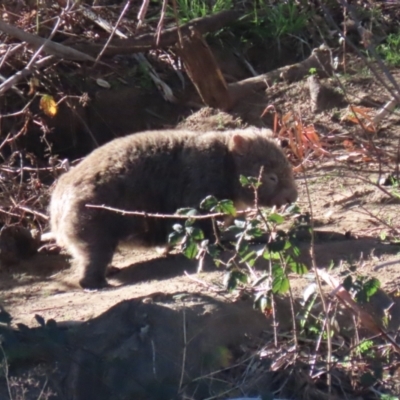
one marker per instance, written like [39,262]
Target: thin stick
[113,32]
[157,215]
[184,350]
[314,266]
[6,372]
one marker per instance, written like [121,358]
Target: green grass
[278,21]
[191,9]
[390,50]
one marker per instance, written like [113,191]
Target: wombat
[159,172]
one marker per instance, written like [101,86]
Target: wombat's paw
[92,284]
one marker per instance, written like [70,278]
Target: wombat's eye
[272,178]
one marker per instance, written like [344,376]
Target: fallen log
[320,60]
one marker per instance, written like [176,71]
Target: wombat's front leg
[92,261]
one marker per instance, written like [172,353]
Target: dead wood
[50,47]
[28,70]
[315,88]
[168,37]
[203,71]
[323,97]
[320,59]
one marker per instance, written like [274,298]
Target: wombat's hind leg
[92,261]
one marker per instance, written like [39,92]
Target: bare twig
[6,371]
[42,43]
[157,215]
[125,9]
[46,45]
[394,92]
[184,349]
[142,13]
[14,79]
[161,22]
[388,108]
[321,294]
[9,213]
[10,50]
[35,213]
[89,13]
[205,284]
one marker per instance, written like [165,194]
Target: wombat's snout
[285,196]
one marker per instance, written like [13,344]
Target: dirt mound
[153,348]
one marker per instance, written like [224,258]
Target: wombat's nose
[286,196]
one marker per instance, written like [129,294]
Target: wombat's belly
[144,232]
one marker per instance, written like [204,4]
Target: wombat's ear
[239,144]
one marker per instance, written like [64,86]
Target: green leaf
[262,303]
[233,277]
[271,255]
[239,223]
[187,211]
[197,234]
[295,249]
[251,254]
[230,281]
[365,346]
[174,238]
[189,222]
[276,218]
[254,232]
[277,245]
[204,243]
[213,251]
[260,280]
[240,276]
[249,181]
[244,181]
[227,207]
[372,286]
[241,247]
[280,284]
[189,230]
[190,249]
[298,268]
[177,228]
[208,203]
[277,271]
[233,229]
[293,209]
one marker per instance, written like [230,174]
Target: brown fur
[158,172]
